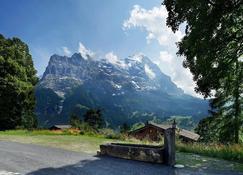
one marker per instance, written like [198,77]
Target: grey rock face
[123,88]
[136,71]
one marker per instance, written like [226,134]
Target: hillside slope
[129,90]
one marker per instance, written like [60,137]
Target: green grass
[228,152]
[195,161]
[34,132]
[65,140]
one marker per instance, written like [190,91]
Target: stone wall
[134,152]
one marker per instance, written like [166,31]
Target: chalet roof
[162,127]
[188,134]
[151,124]
[62,126]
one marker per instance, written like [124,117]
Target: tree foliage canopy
[213,51]
[75,121]
[94,118]
[17,81]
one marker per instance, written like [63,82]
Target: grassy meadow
[67,139]
[64,140]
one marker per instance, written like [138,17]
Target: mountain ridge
[79,83]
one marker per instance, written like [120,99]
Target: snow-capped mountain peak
[119,86]
[137,57]
[113,59]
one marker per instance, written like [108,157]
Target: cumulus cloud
[86,53]
[153,22]
[166,57]
[114,59]
[111,57]
[66,51]
[172,66]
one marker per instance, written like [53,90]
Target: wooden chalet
[155,132]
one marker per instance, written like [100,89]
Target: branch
[211,3]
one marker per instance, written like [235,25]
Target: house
[60,127]
[150,131]
[154,132]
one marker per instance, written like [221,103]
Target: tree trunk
[237,102]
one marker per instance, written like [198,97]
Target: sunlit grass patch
[67,139]
[227,152]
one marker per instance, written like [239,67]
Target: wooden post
[169,145]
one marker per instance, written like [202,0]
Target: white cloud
[153,22]
[171,65]
[114,59]
[149,72]
[85,52]
[166,57]
[66,51]
[111,57]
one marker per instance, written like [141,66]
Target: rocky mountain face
[128,90]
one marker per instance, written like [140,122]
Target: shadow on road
[114,166]
[107,166]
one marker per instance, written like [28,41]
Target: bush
[74,121]
[28,122]
[86,129]
[110,133]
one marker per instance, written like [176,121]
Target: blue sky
[117,28]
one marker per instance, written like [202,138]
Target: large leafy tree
[213,51]
[17,81]
[94,118]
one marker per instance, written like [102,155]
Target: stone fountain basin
[147,153]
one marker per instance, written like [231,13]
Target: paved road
[17,158]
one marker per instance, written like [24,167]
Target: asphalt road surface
[28,159]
